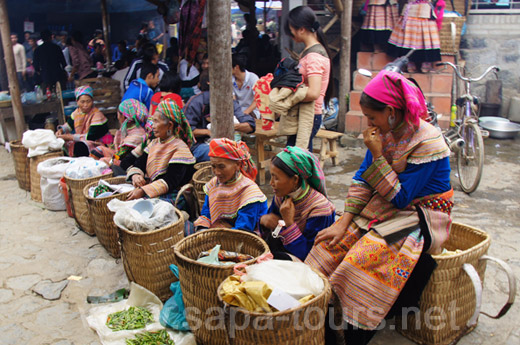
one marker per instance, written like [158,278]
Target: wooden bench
[328,149]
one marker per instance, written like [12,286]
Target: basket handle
[512,285]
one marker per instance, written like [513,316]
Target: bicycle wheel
[470,158]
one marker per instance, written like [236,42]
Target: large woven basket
[36,191]
[449,44]
[79,203]
[200,178]
[303,325]
[448,301]
[103,219]
[147,256]
[199,281]
[21,164]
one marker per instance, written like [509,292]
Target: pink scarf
[394,89]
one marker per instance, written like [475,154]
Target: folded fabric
[41,141]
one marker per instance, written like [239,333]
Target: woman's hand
[136,194]
[269,221]
[372,139]
[138,180]
[59,132]
[336,231]
[287,211]
[66,137]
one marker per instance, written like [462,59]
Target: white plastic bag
[127,218]
[139,297]
[51,171]
[41,141]
[85,167]
[295,278]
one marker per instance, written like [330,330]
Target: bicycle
[465,135]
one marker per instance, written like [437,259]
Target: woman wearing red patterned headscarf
[233,199]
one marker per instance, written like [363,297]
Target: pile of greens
[132,318]
[151,338]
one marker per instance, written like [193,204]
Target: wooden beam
[106,31]
[14,87]
[344,67]
[4,84]
[219,52]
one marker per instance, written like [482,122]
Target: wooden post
[219,52]
[106,31]
[14,88]
[344,67]
[4,84]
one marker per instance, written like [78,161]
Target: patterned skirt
[366,273]
[378,24]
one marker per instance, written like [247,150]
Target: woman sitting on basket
[166,164]
[233,199]
[133,117]
[86,127]
[300,200]
[397,210]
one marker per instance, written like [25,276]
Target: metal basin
[500,129]
[492,118]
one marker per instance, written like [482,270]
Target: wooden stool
[330,150]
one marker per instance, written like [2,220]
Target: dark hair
[304,17]
[240,60]
[277,162]
[14,34]
[204,81]
[148,51]
[371,103]
[170,82]
[46,35]
[122,42]
[174,43]
[147,69]
[120,64]
[77,36]
[98,32]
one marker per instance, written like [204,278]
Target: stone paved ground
[38,245]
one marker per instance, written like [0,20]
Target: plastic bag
[51,171]
[41,141]
[85,167]
[139,297]
[295,278]
[129,219]
[173,313]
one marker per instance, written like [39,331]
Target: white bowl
[144,207]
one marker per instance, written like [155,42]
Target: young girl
[303,26]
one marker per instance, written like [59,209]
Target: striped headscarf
[181,128]
[84,90]
[394,89]
[133,111]
[305,165]
[235,151]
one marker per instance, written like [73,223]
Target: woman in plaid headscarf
[233,199]
[166,164]
[133,117]
[86,127]
[300,201]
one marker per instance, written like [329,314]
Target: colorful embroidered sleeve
[173,179]
[97,131]
[249,216]
[204,220]
[359,192]
[382,178]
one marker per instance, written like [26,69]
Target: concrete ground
[40,249]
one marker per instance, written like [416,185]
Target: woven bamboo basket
[200,178]
[21,164]
[303,325]
[448,46]
[201,165]
[449,298]
[79,203]
[103,219]
[147,256]
[36,191]
[199,281]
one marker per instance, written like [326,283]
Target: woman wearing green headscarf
[300,201]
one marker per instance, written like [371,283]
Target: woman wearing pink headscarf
[377,256]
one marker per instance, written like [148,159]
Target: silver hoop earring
[391,121]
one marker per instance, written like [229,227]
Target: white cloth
[41,141]
[120,76]
[245,95]
[183,73]
[19,57]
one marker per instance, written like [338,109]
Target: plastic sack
[51,171]
[85,167]
[173,313]
[295,278]
[139,297]
[129,219]
[41,141]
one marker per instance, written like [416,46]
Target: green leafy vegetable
[151,338]
[132,318]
